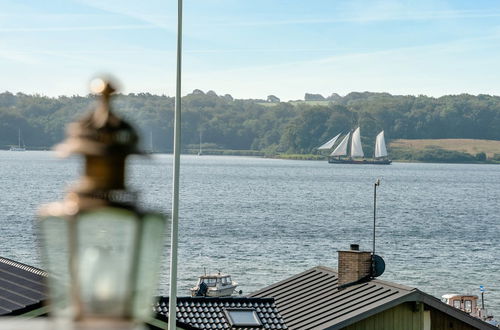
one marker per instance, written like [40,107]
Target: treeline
[285,127]
[439,155]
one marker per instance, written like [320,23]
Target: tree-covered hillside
[250,125]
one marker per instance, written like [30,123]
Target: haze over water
[262,220]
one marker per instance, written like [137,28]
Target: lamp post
[101,252]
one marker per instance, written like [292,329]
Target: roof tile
[204,316]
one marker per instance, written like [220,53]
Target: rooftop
[312,300]
[215,312]
[22,287]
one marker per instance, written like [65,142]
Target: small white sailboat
[150,149]
[200,152]
[19,147]
[342,154]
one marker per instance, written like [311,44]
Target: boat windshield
[226,280]
[208,281]
[468,306]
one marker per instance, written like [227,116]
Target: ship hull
[333,160]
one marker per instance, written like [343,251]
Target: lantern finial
[105,140]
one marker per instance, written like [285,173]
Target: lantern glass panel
[149,260]
[55,237]
[106,245]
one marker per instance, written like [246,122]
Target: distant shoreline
[314,157]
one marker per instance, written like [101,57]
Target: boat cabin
[466,303]
[213,280]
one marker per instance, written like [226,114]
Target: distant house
[273,99]
[322,298]
[313,97]
[197,92]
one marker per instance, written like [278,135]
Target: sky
[253,48]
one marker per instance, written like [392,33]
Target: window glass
[456,303]
[468,306]
[242,317]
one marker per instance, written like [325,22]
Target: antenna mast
[377,183]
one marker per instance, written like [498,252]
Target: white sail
[380,149]
[341,149]
[330,143]
[356,148]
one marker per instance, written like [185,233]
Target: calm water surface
[263,220]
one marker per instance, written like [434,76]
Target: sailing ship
[342,154]
[18,147]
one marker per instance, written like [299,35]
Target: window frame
[468,302]
[227,312]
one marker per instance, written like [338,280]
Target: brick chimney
[353,265]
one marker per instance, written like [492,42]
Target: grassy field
[266,104]
[470,146]
[311,102]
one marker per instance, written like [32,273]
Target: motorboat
[467,303]
[214,285]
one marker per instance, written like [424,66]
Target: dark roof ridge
[292,278]
[383,282]
[394,285]
[230,298]
[24,267]
[328,269]
[333,272]
[376,280]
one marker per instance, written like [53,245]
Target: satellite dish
[378,266]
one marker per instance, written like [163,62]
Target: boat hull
[216,292]
[333,160]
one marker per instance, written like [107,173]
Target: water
[263,220]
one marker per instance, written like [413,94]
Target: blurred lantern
[101,252]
